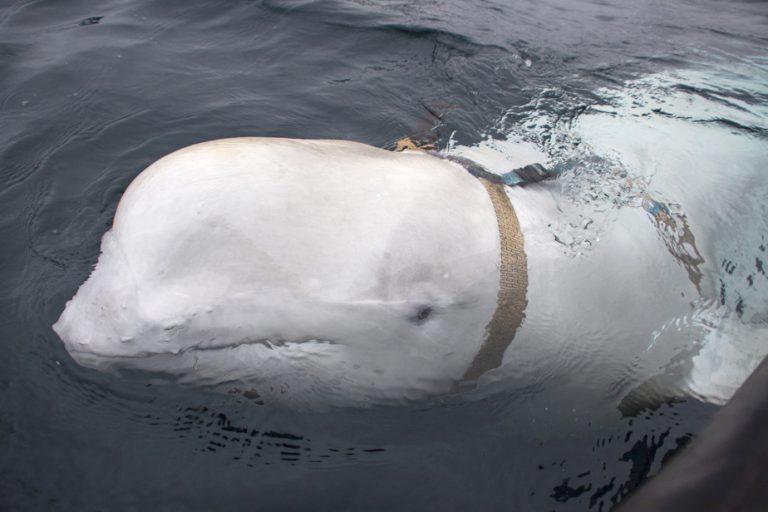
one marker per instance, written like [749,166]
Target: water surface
[672,94]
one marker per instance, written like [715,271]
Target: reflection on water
[621,98]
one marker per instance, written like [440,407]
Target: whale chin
[107,363]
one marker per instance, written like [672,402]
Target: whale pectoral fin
[666,387]
[650,395]
[709,371]
[663,389]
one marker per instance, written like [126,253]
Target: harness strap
[513,285]
[511,300]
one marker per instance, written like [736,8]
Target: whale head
[319,272]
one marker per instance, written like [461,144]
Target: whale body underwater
[333,273]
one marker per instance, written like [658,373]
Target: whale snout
[104,342]
[90,338]
[102,321]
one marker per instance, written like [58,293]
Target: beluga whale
[319,273]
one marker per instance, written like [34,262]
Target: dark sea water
[91,93]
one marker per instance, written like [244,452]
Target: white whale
[317,272]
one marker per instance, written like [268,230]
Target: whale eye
[421,314]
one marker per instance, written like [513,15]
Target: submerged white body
[335,273]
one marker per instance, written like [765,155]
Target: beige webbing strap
[513,286]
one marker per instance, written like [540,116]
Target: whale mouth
[103,361]
[143,363]
[84,356]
